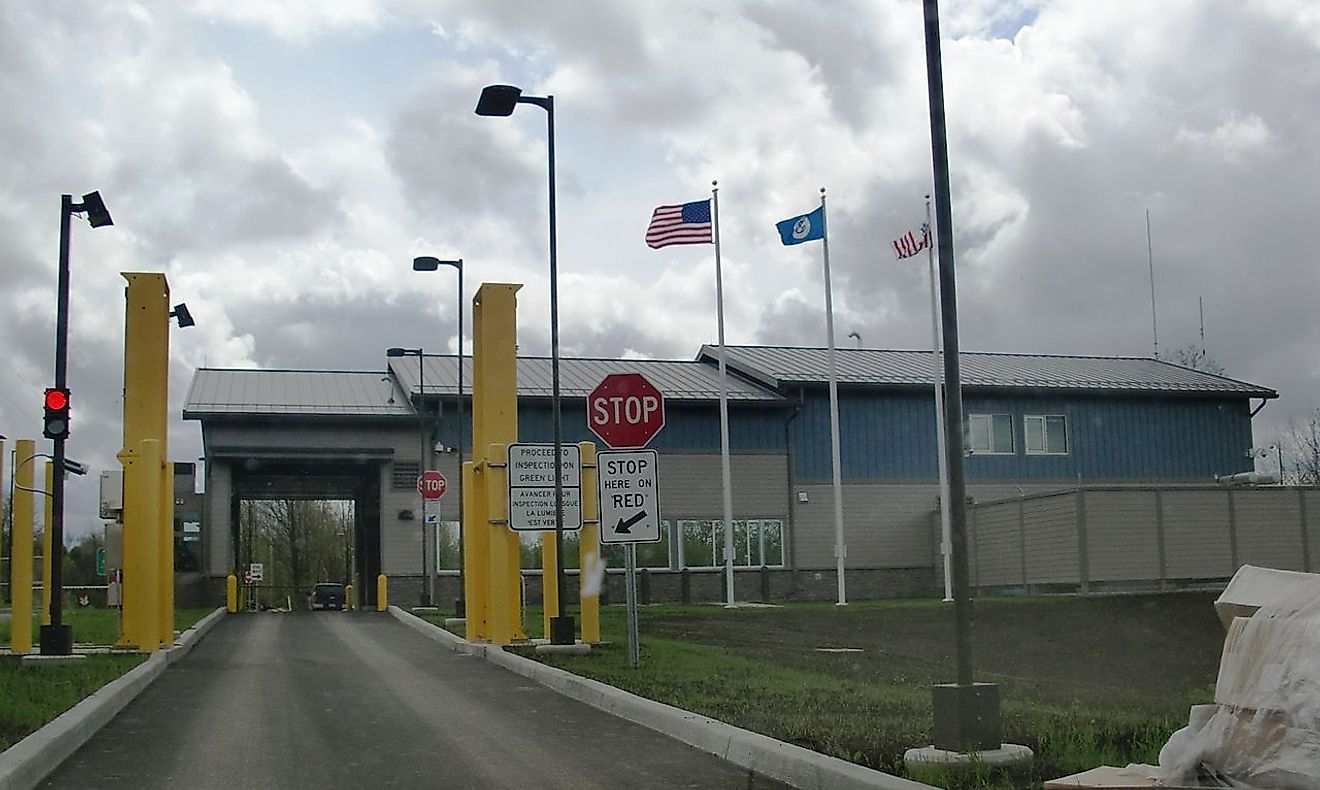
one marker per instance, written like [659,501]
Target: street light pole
[428,585]
[427,263]
[500,100]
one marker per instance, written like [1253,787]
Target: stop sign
[625,410]
[431,484]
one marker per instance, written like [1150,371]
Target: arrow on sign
[625,525]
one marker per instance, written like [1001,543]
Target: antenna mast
[1150,259]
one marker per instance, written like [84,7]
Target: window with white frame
[756,542]
[990,434]
[649,555]
[1046,434]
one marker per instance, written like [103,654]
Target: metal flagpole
[946,539]
[724,404]
[840,548]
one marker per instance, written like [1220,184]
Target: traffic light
[56,422]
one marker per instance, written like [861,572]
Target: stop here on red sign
[626,410]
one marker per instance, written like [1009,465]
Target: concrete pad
[455,622]
[38,660]
[1006,755]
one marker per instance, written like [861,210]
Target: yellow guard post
[490,557]
[589,558]
[20,564]
[149,526]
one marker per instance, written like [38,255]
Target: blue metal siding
[891,436]
[688,426]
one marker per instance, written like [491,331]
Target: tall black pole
[425,467]
[57,638]
[460,606]
[562,633]
[953,418]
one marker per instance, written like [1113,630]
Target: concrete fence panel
[1122,542]
[1268,527]
[1198,544]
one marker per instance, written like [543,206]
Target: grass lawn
[32,696]
[1084,681]
[93,626]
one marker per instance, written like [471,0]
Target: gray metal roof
[679,380]
[310,392]
[779,366]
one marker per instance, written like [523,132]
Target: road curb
[794,765]
[28,762]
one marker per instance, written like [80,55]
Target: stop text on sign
[633,409]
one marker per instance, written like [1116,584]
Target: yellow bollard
[231,593]
[589,548]
[476,555]
[20,565]
[46,553]
[382,593]
[348,597]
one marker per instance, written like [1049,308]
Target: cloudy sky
[282,162]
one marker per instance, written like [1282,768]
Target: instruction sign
[629,496]
[532,486]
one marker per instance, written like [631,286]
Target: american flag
[908,244]
[686,223]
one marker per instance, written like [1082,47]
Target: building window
[756,542]
[1046,434]
[990,434]
[649,555]
[404,475]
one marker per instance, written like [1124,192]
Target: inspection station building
[1093,470]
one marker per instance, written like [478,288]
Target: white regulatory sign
[629,496]
[256,572]
[532,486]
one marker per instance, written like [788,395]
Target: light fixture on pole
[428,588]
[426,263]
[499,101]
[57,638]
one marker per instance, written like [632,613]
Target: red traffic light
[57,399]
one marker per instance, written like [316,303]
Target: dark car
[327,595]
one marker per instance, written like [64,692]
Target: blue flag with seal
[807,227]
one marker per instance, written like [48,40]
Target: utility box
[112,495]
[114,561]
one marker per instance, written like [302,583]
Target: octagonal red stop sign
[431,484]
[625,410]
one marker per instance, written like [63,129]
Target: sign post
[627,411]
[432,485]
[629,514]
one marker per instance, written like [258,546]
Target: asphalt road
[331,700]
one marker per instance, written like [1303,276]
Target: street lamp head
[498,100]
[97,214]
[395,352]
[426,263]
[184,317]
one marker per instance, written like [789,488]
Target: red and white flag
[910,244]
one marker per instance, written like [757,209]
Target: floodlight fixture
[97,214]
[498,100]
[184,317]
